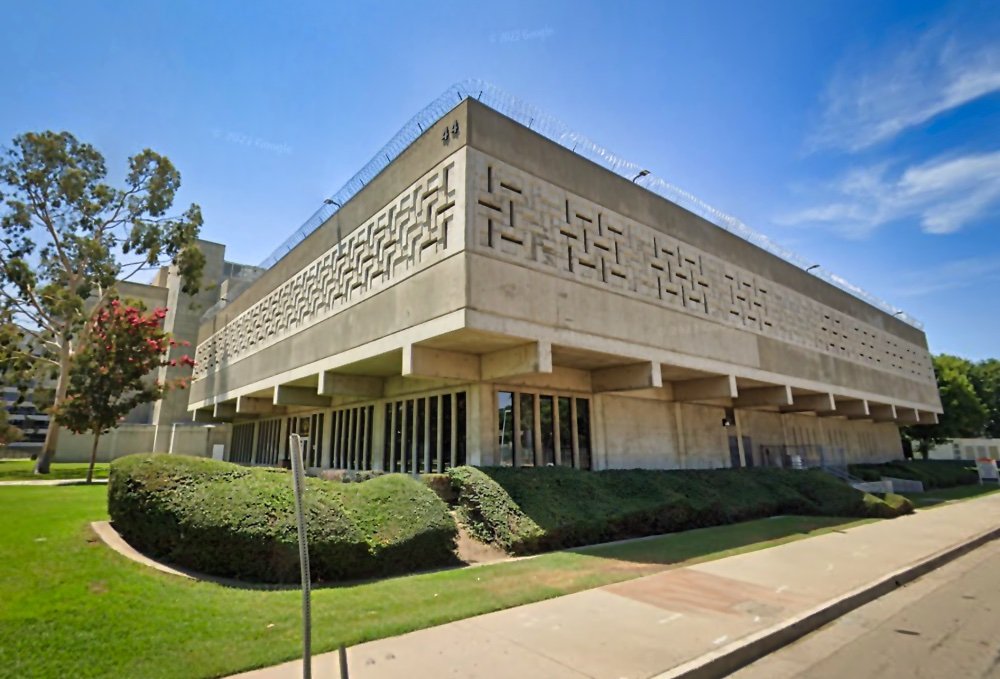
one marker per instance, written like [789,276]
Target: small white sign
[218,451]
[988,470]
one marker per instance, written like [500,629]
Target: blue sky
[864,136]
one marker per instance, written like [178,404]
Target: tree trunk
[93,457]
[48,452]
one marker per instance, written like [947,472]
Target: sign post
[298,484]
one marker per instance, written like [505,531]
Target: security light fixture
[331,201]
[814,266]
[642,173]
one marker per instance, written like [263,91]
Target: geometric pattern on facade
[524,219]
[411,230]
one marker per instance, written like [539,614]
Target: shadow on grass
[719,541]
[604,562]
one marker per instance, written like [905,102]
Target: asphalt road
[944,625]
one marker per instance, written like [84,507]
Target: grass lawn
[21,470]
[937,496]
[71,607]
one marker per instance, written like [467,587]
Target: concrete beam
[706,389]
[224,411]
[907,416]
[810,403]
[526,359]
[926,417]
[437,364]
[854,410]
[204,416]
[850,408]
[764,396]
[627,377]
[882,412]
[285,395]
[364,386]
[249,405]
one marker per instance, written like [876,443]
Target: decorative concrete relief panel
[524,219]
[416,229]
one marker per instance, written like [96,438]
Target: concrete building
[493,298]
[151,426]
[966,449]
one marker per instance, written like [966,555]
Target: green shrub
[488,511]
[528,510]
[932,473]
[887,506]
[232,521]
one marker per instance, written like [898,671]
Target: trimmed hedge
[932,473]
[232,521]
[525,511]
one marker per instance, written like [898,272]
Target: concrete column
[679,436]
[482,425]
[253,443]
[326,446]
[598,434]
[378,434]
[536,433]
[739,437]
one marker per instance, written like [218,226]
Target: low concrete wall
[125,440]
[197,441]
[128,439]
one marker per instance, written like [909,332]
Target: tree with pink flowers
[111,373]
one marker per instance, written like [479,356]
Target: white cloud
[943,194]
[951,275]
[873,98]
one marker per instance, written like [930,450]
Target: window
[351,437]
[543,429]
[505,423]
[526,431]
[547,421]
[428,434]
[565,431]
[268,442]
[583,432]
[242,443]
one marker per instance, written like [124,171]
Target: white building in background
[966,449]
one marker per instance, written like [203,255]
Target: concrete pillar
[378,435]
[739,437]
[679,436]
[482,426]
[325,444]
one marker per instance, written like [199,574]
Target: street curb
[744,651]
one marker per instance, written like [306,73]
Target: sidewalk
[51,482]
[660,623]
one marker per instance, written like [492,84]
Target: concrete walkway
[671,623]
[51,482]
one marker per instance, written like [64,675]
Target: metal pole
[298,483]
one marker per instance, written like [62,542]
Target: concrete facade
[493,298]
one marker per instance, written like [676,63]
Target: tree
[66,237]
[985,378]
[8,432]
[964,414]
[110,372]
